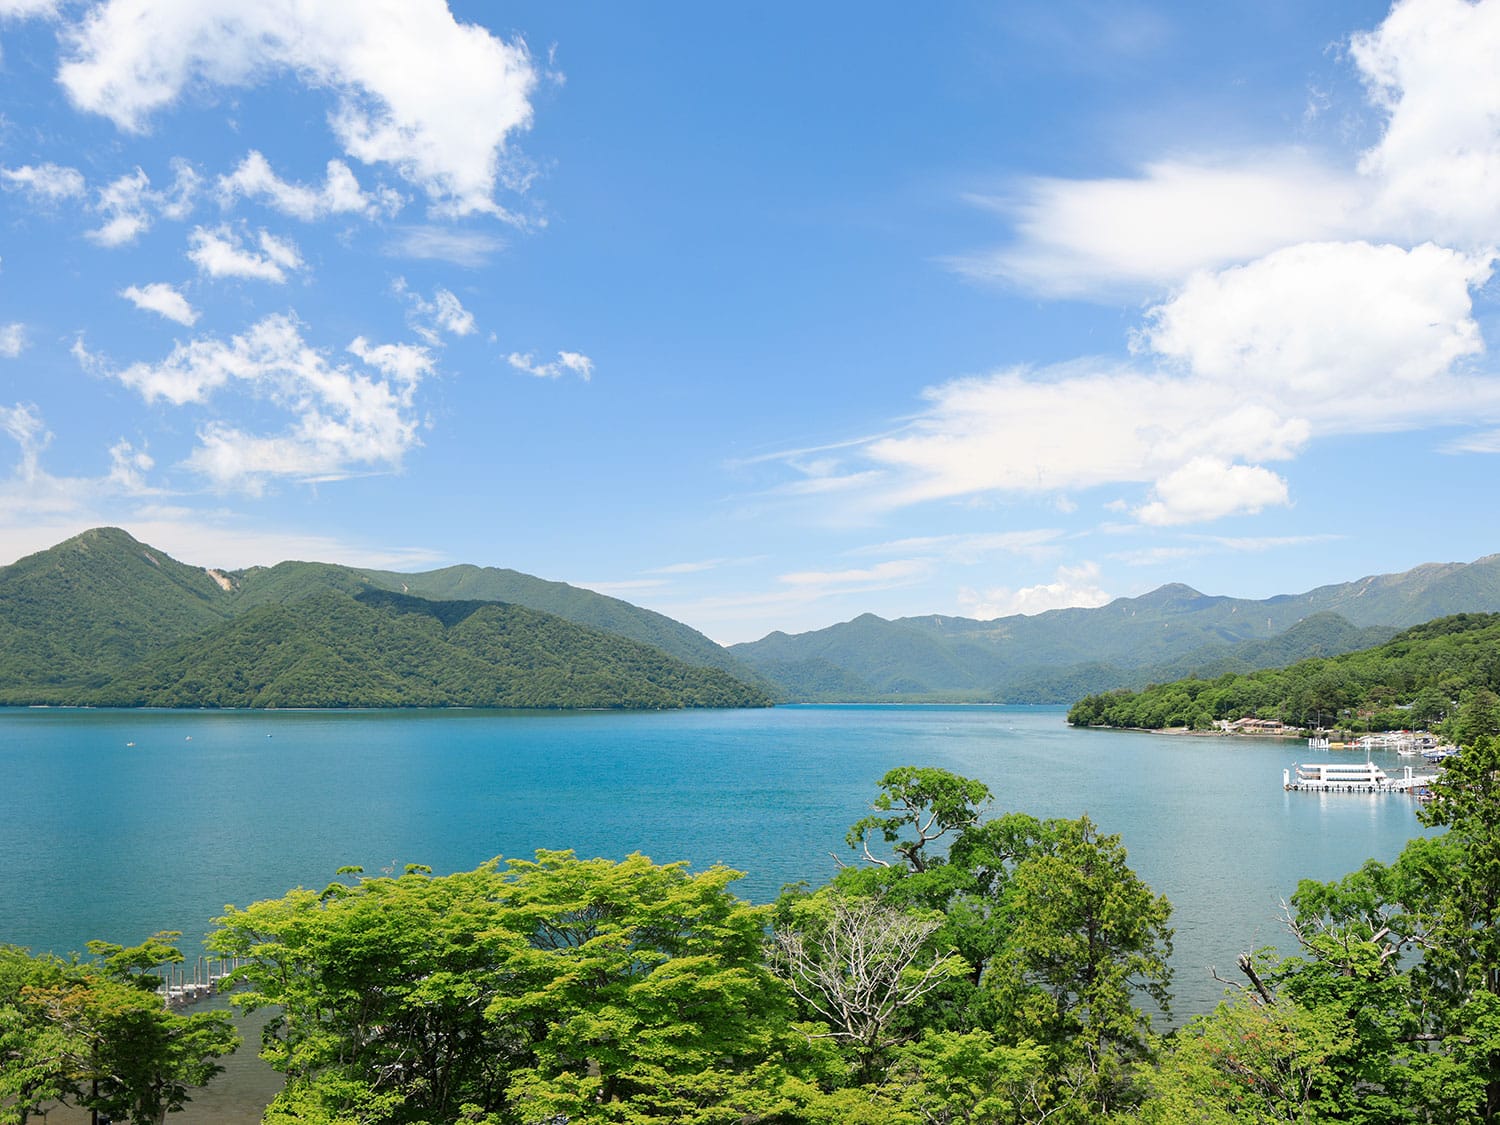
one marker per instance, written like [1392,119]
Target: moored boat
[1351,777]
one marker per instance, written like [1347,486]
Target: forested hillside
[103,620]
[379,649]
[1444,672]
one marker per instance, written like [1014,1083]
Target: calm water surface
[117,824]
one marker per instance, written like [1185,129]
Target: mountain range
[1063,654]
[106,620]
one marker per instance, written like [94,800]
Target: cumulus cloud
[1240,368]
[12,340]
[162,299]
[579,364]
[1430,68]
[222,252]
[433,98]
[45,183]
[343,420]
[1207,488]
[1320,321]
[339,194]
[1074,586]
[1306,297]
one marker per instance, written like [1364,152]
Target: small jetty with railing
[1352,777]
[181,986]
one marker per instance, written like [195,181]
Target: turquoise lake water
[117,824]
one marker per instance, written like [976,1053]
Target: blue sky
[762,317]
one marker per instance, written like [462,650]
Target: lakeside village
[1352,776]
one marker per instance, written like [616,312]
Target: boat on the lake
[1351,777]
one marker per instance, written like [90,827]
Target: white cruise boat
[1351,777]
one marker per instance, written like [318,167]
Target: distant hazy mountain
[1062,654]
[105,619]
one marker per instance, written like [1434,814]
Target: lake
[117,824]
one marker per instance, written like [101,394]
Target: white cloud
[1434,175]
[467,248]
[340,192]
[221,252]
[1080,237]
[1311,325]
[342,420]
[1430,68]
[45,183]
[1207,488]
[25,9]
[12,340]
[128,467]
[579,364]
[1074,586]
[124,205]
[23,422]
[881,576]
[162,299]
[435,99]
[444,313]
[129,205]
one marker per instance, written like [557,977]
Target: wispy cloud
[575,362]
[162,299]
[468,248]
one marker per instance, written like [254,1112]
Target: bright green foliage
[602,991]
[100,1039]
[1248,1062]
[1447,669]
[1048,940]
[923,804]
[948,1077]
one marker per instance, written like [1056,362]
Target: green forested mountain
[493,584]
[379,649]
[89,607]
[1445,671]
[1058,655]
[103,619]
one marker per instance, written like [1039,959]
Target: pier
[181,987]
